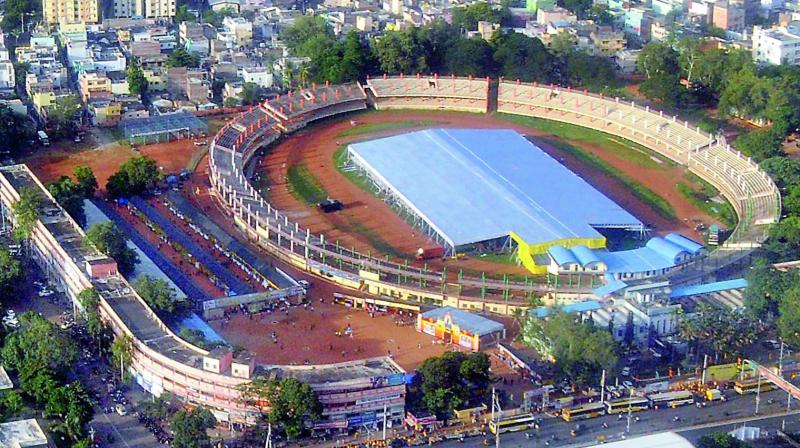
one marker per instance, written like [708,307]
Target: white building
[149,9]
[22,433]
[777,46]
[258,75]
[7,79]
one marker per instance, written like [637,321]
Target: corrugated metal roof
[472,323]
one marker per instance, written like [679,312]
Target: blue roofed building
[460,327]
[657,257]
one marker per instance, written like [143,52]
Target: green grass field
[626,149]
[304,186]
[377,127]
[699,193]
[646,195]
[358,179]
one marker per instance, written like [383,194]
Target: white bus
[671,399]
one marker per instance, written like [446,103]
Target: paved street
[736,409]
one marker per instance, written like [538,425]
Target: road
[693,420]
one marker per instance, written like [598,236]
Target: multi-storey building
[149,9]
[70,11]
[777,45]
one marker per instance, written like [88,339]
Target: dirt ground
[319,344]
[367,220]
[106,159]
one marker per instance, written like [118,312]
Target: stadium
[529,223]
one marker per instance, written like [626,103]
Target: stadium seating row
[433,93]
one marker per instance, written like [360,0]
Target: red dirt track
[315,147]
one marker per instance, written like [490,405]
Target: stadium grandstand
[295,110]
[750,191]
[430,92]
[664,134]
[484,200]
[162,128]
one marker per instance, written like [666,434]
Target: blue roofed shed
[461,327]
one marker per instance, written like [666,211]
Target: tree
[14,10]
[720,440]
[783,170]
[467,17]
[26,212]
[90,302]
[137,83]
[521,57]
[72,406]
[37,383]
[563,43]
[87,183]
[121,353]
[251,93]
[38,344]
[448,381]
[61,117]
[723,332]
[401,52]
[765,287]
[760,144]
[789,315]
[70,196]
[469,57]
[290,402]
[11,275]
[579,350]
[158,294]
[108,239]
[306,35]
[13,129]
[783,242]
[475,370]
[135,176]
[191,428]
[579,7]
[12,401]
[658,61]
[791,200]
[182,14]
[182,58]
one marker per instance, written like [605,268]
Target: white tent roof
[661,440]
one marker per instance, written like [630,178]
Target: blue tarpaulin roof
[473,185]
[579,307]
[708,288]
[612,285]
[472,323]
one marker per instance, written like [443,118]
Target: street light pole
[630,410]
[603,387]
[758,392]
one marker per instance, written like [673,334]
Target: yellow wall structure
[526,252]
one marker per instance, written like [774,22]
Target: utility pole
[758,392]
[630,411]
[384,422]
[780,360]
[603,386]
[269,436]
[495,418]
[705,366]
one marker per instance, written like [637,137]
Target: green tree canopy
[190,428]
[521,57]
[182,58]
[307,34]
[62,115]
[251,93]
[38,344]
[14,11]
[182,14]
[11,275]
[137,83]
[450,380]
[70,196]
[783,243]
[87,183]
[290,402]
[720,440]
[108,239]
[134,176]
[659,63]
[722,333]
[158,294]
[26,212]
[72,405]
[468,16]
[765,287]
[14,129]
[580,350]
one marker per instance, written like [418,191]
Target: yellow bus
[671,399]
[624,404]
[512,423]
[590,410]
[750,386]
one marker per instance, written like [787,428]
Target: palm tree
[304,74]
[287,76]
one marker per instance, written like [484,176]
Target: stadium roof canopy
[162,124]
[473,323]
[474,185]
[660,440]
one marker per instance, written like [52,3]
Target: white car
[121,410]
[45,293]
[628,384]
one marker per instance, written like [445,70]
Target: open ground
[369,225]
